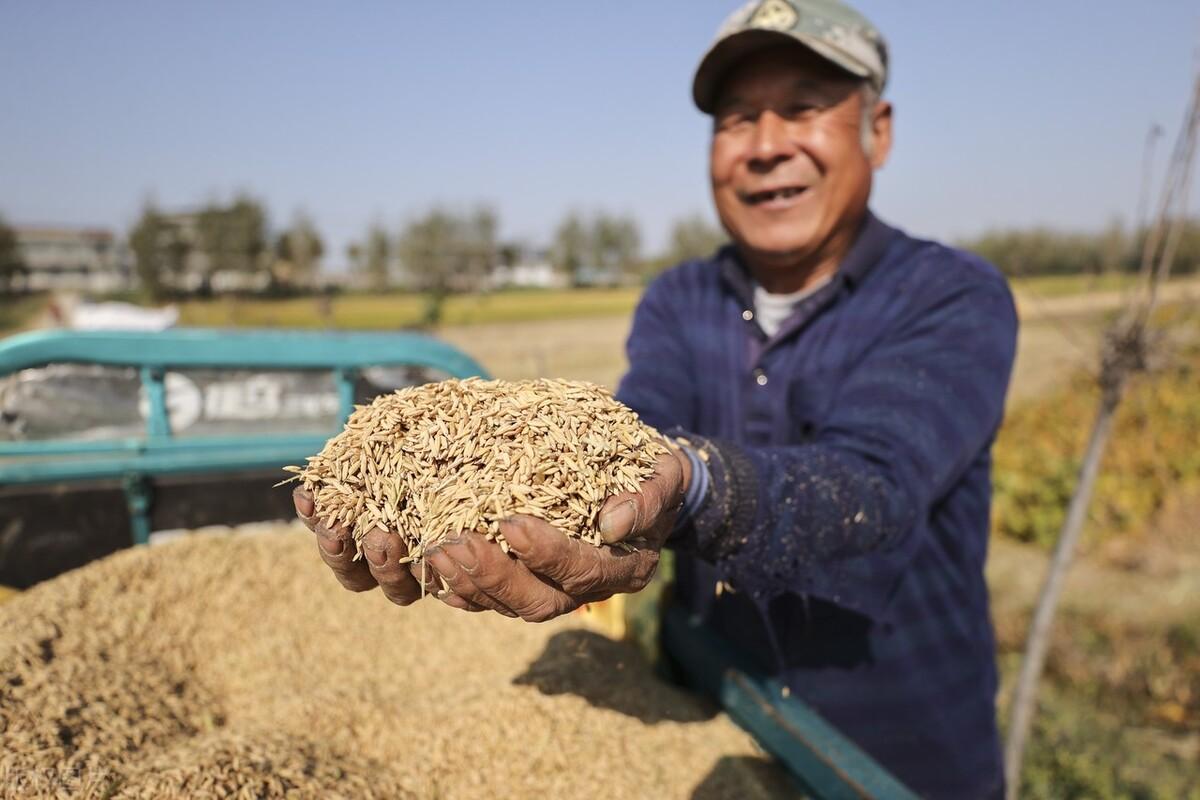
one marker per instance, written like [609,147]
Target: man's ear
[881,134]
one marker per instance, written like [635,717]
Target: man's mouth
[781,196]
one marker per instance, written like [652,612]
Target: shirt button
[747,315]
[760,377]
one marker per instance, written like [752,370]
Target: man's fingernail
[618,521]
[462,555]
[514,533]
[377,556]
[304,506]
[441,562]
[333,547]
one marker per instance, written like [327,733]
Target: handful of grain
[431,461]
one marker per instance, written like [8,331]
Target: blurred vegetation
[1119,715]
[177,253]
[445,252]
[1045,251]
[17,313]
[298,252]
[11,262]
[1153,452]
[598,250]
[1081,751]
[373,259]
[692,237]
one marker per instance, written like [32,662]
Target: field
[403,310]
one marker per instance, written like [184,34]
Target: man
[839,385]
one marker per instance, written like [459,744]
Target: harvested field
[235,666]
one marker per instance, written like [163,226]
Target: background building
[73,259]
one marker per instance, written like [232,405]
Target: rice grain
[419,460]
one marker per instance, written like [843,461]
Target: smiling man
[838,384]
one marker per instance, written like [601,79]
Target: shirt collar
[868,249]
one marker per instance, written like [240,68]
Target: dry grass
[236,666]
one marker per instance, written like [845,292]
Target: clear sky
[1008,113]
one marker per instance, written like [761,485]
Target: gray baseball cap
[829,28]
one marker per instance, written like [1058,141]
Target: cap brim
[729,51]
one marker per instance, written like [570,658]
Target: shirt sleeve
[658,383]
[837,517]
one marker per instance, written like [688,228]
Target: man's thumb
[618,519]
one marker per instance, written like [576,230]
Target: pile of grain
[236,666]
[431,461]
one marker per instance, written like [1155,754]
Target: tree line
[222,246]
[231,247]
[440,252]
[1045,251]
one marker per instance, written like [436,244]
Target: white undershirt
[772,309]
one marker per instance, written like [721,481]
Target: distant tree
[616,244]
[300,248]
[510,254]
[571,244]
[445,251]
[478,235]
[214,240]
[600,246]
[12,263]
[160,252]
[376,258]
[1114,248]
[248,221]
[354,255]
[694,237]
[148,261]
[232,238]
[1187,253]
[1045,251]
[1038,251]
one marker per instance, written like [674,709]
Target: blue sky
[1008,113]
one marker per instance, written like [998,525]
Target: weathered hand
[380,565]
[552,573]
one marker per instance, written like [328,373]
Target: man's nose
[772,139]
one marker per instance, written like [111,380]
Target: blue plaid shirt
[848,494]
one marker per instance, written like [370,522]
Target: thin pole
[1126,353]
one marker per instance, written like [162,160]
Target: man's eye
[733,121]
[799,110]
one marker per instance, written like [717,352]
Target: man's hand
[380,565]
[553,573]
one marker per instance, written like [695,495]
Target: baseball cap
[830,28]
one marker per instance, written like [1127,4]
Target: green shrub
[1152,453]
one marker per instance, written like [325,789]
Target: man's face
[788,167]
